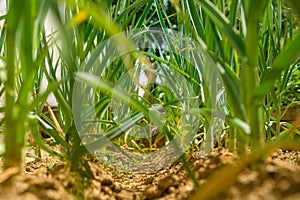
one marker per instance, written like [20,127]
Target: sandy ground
[276,178]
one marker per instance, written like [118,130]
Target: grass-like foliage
[220,69]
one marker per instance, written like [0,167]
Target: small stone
[117,187]
[149,180]
[152,192]
[197,165]
[189,186]
[124,195]
[107,181]
[107,190]
[171,189]
[171,180]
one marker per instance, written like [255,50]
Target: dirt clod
[152,192]
[124,195]
[170,181]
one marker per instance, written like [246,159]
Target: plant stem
[250,78]
[15,123]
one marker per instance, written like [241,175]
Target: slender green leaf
[96,82]
[224,25]
[198,25]
[281,62]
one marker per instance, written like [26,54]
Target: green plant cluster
[254,45]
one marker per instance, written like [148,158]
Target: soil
[276,178]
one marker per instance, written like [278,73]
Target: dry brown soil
[276,178]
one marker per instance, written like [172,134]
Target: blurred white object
[51,28]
